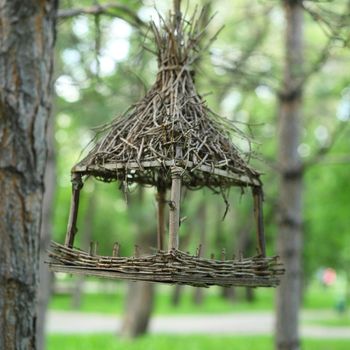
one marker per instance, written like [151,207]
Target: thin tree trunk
[228,293]
[290,193]
[77,292]
[198,295]
[140,295]
[45,276]
[246,246]
[139,307]
[176,295]
[178,289]
[249,294]
[27,33]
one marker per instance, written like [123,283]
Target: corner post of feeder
[174,205]
[161,192]
[258,214]
[77,184]
[177,11]
[177,19]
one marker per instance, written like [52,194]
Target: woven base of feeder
[173,267]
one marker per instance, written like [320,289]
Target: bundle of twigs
[170,267]
[170,123]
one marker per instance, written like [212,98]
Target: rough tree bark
[27,34]
[290,193]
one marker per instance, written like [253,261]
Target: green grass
[318,297]
[337,321]
[113,303]
[188,342]
[213,303]
[102,303]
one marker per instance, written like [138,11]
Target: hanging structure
[170,139]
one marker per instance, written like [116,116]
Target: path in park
[252,323]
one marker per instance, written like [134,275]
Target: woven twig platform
[173,267]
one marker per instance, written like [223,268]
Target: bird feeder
[171,140]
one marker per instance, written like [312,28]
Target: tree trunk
[140,296]
[290,194]
[249,294]
[45,275]
[27,33]
[229,293]
[177,290]
[139,307]
[176,294]
[198,295]
[246,246]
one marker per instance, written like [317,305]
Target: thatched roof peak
[171,125]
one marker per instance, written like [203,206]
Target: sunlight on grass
[335,321]
[316,297]
[192,342]
[213,303]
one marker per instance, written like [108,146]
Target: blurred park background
[101,68]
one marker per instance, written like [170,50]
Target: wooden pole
[177,19]
[116,248]
[77,184]
[177,11]
[174,212]
[258,214]
[161,193]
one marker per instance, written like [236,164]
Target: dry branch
[115,10]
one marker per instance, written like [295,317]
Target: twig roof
[171,125]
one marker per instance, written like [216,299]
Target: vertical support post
[174,212]
[77,184]
[177,13]
[116,248]
[136,251]
[92,248]
[177,6]
[258,214]
[161,192]
[177,20]
[223,254]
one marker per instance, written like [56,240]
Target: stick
[77,184]
[258,214]
[161,225]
